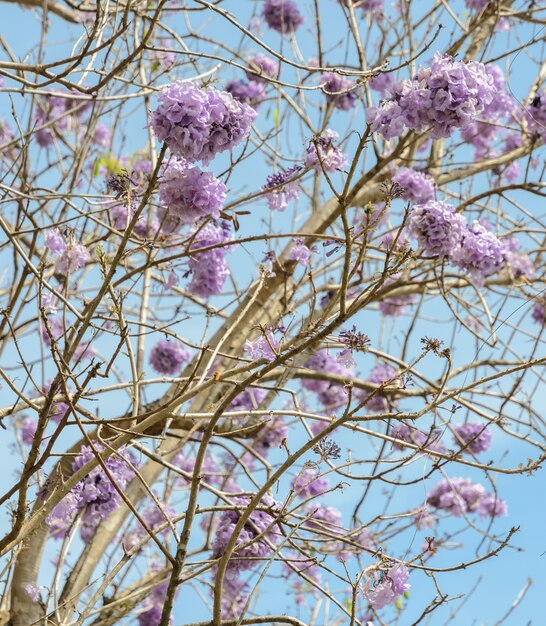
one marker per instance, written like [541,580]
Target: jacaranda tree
[271,307]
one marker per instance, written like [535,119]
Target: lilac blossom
[416,185]
[382,83]
[250,399]
[165,58]
[28,427]
[282,190]
[300,253]
[480,252]
[71,255]
[95,495]
[265,347]
[209,472]
[446,95]
[437,228]
[323,518]
[270,436]
[329,394]
[168,356]
[262,67]
[187,194]
[460,496]
[418,438]
[517,262]
[252,92]
[491,506]
[323,154]
[155,519]
[209,268]
[538,313]
[248,549]
[54,330]
[6,134]
[234,595]
[354,341]
[340,91]
[388,586]
[282,15]
[472,436]
[60,115]
[102,135]
[309,484]
[198,124]
[152,607]
[367,6]
[395,305]
[379,403]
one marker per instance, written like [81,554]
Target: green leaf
[276,117]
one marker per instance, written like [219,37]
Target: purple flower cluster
[437,228]
[519,263]
[253,90]
[234,595]
[323,518]
[380,374]
[94,496]
[71,255]
[154,518]
[459,496]
[56,413]
[354,341]
[152,607]
[447,95]
[430,441]
[300,253]
[474,437]
[262,67]
[480,252]
[323,154]
[61,114]
[282,15]
[417,186]
[209,268]
[248,400]
[167,357]
[250,92]
[388,586]
[265,346]
[329,394]
[340,91]
[282,190]
[538,313]
[188,194]
[481,133]
[271,436]
[210,472]
[197,124]
[102,135]
[309,484]
[382,83]
[248,549]
[367,6]
[445,234]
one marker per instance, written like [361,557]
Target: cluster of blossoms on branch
[442,97]
[253,91]
[460,496]
[96,496]
[445,234]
